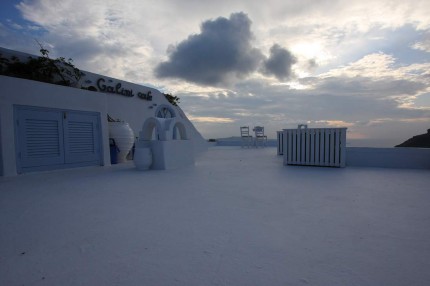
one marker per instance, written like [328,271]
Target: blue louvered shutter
[81,137]
[40,138]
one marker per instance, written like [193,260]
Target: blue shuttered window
[40,138]
[81,140]
[52,138]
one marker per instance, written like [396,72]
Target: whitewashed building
[72,122]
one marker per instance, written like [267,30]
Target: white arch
[179,125]
[166,129]
[148,127]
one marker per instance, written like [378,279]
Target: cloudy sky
[359,64]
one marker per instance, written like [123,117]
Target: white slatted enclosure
[315,146]
[280,142]
[49,138]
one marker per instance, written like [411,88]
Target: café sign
[118,89]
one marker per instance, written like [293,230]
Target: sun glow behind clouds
[334,123]
[209,119]
[294,85]
[311,50]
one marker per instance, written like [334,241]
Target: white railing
[314,146]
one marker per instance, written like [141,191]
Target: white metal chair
[259,136]
[246,138]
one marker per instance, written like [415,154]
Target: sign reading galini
[118,89]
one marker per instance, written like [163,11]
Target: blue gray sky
[360,64]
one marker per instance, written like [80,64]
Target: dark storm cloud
[222,51]
[279,62]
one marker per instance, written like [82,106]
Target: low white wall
[171,154]
[414,158]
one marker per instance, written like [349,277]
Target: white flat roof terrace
[238,217]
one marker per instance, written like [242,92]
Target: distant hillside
[237,141]
[233,138]
[420,141]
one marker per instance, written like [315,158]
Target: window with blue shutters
[52,138]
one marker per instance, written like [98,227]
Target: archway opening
[179,131]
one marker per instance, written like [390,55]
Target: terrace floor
[239,217]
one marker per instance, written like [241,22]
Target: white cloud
[353,15]
[422,46]
[373,65]
[15,26]
[209,119]
[382,70]
[332,123]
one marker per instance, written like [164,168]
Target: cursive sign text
[118,89]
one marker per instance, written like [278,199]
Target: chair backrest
[259,131]
[244,131]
